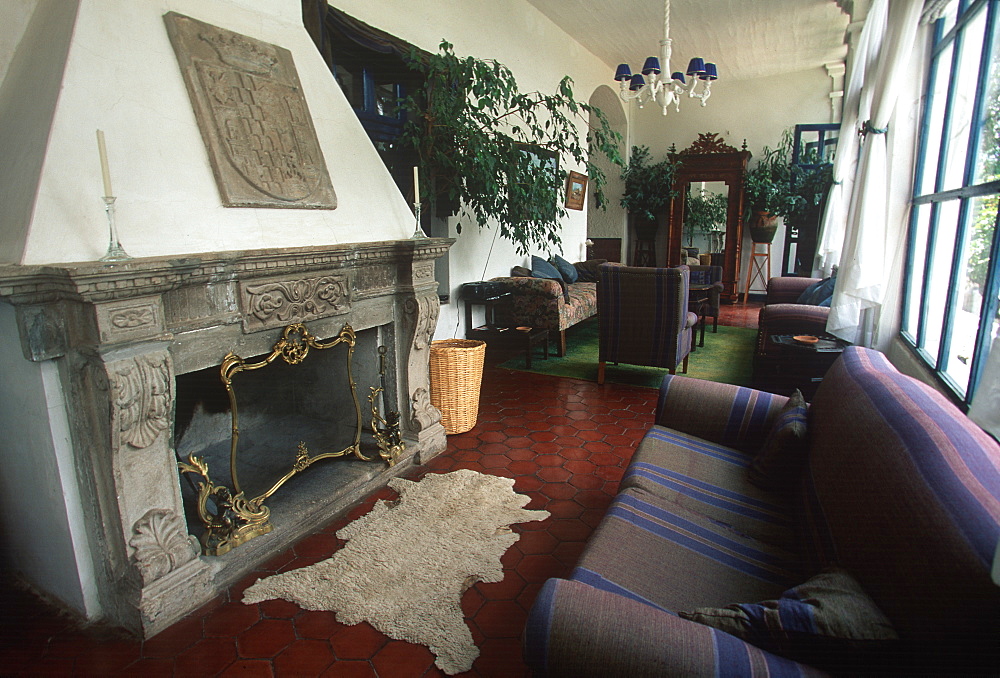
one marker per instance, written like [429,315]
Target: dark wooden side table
[698,303]
[789,364]
[492,333]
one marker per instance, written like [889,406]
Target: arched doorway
[606,227]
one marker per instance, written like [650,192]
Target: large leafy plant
[648,185]
[497,153]
[768,185]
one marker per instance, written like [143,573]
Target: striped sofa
[899,489]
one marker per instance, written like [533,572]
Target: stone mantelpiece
[118,334]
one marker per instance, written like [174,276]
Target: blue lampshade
[637,82]
[652,65]
[710,72]
[678,76]
[696,66]
[623,72]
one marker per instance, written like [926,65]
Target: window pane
[963,107]
[938,89]
[386,101]
[940,262]
[971,285]
[988,165]
[919,261]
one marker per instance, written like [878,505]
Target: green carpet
[725,357]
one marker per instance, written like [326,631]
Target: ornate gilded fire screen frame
[229,517]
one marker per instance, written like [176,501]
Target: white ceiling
[745,38]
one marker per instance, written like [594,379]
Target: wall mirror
[712,166]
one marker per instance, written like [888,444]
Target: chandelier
[661,88]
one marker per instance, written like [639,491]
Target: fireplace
[135,345]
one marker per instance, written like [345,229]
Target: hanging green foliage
[648,186]
[497,153]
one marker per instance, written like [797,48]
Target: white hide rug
[407,563]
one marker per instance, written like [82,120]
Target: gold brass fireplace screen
[229,517]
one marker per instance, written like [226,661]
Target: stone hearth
[116,336]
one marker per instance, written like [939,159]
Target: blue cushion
[817,292]
[566,269]
[543,269]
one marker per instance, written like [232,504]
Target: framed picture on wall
[576,190]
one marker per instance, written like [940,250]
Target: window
[953,268]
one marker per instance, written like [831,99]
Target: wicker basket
[456,373]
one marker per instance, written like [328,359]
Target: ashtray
[806,339]
[523,329]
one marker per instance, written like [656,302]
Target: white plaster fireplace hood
[71,67]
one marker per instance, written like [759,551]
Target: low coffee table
[520,337]
[788,364]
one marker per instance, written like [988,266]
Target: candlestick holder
[419,233]
[115,250]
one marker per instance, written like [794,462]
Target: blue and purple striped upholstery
[643,315]
[577,630]
[900,489]
[907,491]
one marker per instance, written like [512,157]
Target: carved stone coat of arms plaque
[253,117]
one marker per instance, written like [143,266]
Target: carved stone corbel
[161,544]
[142,398]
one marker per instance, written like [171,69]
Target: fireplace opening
[287,414]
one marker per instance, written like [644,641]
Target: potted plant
[768,190]
[648,189]
[498,153]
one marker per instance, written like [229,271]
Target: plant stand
[759,267]
[644,253]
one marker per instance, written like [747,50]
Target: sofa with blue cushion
[701,567]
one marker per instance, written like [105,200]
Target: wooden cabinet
[710,163]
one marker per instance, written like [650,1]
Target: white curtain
[985,407]
[865,223]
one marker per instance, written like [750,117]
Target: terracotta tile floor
[565,443]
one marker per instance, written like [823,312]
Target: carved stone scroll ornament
[423,312]
[142,398]
[278,303]
[425,414]
[161,544]
[253,117]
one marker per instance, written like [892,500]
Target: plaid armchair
[644,318]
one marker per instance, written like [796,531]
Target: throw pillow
[588,269]
[566,269]
[817,292]
[828,621]
[543,269]
[779,461]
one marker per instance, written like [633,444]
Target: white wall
[43,535]
[756,110]
[121,75]
[539,54]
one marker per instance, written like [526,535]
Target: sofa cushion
[827,621]
[657,552]
[779,462]
[543,269]
[709,479]
[907,489]
[588,270]
[817,293]
[566,269]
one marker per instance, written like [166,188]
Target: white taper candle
[105,172]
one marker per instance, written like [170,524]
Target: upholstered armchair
[643,317]
[706,302]
[782,314]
